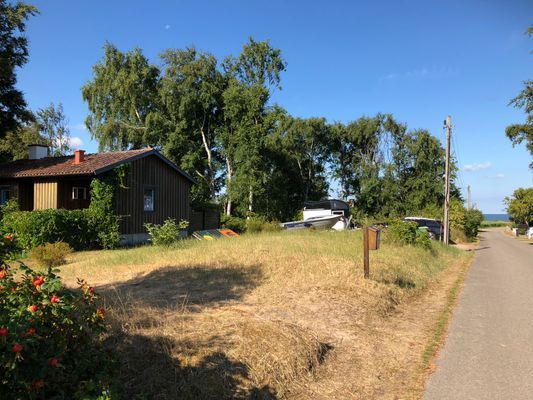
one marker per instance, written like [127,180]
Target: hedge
[81,229]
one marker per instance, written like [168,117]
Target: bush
[51,254]
[101,212]
[473,220]
[464,223]
[35,228]
[166,234]
[407,233]
[402,233]
[258,224]
[49,336]
[422,239]
[234,223]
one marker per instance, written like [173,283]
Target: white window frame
[76,193]
[149,207]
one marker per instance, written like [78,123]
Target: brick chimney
[79,156]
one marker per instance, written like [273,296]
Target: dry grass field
[273,316]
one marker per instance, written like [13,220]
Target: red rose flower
[32,308]
[31,331]
[3,273]
[91,290]
[53,362]
[3,332]
[54,299]
[38,281]
[100,312]
[17,348]
[9,237]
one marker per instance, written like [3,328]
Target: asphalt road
[488,353]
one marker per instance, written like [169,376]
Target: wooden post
[448,126]
[366,258]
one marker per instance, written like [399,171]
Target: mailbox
[374,237]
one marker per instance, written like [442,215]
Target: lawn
[278,315]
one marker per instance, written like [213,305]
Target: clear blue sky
[419,60]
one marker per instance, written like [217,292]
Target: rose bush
[50,343]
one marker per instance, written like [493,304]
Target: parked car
[434,227]
[529,233]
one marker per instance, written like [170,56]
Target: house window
[79,193]
[4,195]
[149,197]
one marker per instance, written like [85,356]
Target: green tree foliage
[389,170]
[519,133]
[249,120]
[15,143]
[122,97]
[520,206]
[217,122]
[191,96]
[53,125]
[13,55]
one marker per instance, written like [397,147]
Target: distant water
[496,217]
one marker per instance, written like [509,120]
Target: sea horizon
[496,217]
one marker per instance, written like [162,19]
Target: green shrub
[402,233]
[473,220]
[51,254]
[50,337]
[35,228]
[101,212]
[166,234]
[234,223]
[259,224]
[422,239]
[407,233]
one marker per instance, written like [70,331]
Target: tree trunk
[250,202]
[229,175]
[210,174]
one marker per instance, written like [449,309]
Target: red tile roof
[93,164]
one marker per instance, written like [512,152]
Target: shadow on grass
[193,287]
[148,370]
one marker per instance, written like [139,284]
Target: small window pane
[4,196]
[79,193]
[148,199]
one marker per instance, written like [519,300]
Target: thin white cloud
[499,176]
[75,142]
[78,127]
[476,167]
[421,74]
[167,26]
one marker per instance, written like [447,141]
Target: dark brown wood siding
[65,200]
[171,198]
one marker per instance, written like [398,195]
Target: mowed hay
[279,355]
[258,316]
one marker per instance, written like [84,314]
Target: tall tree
[251,77]
[191,95]
[519,133]
[13,55]
[54,126]
[122,97]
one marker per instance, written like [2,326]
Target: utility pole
[448,127]
[468,198]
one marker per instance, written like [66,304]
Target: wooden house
[154,189]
